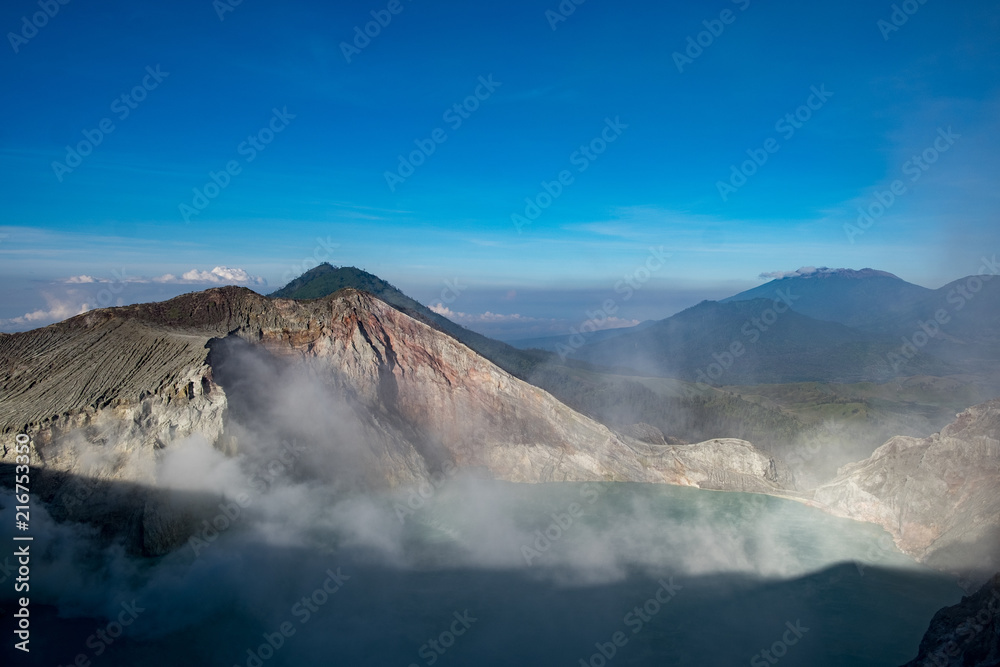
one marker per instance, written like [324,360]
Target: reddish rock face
[477,415]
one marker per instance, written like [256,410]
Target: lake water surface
[488,573]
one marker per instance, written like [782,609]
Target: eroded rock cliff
[937,496]
[966,634]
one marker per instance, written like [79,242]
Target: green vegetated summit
[326,279]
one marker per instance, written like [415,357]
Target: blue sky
[318,189]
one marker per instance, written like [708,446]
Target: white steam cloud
[313,491]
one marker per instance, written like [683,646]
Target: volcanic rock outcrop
[937,496]
[966,634]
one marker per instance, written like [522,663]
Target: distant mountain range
[831,325]
[879,302]
[750,342]
[853,298]
[386,400]
[744,341]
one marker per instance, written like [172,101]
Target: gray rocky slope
[383,400]
[939,496]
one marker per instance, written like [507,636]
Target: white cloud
[58,310]
[221,274]
[445,311]
[115,277]
[67,297]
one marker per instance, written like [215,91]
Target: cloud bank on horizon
[220,275]
[67,297]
